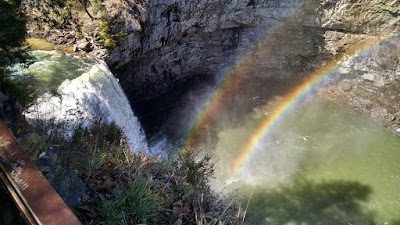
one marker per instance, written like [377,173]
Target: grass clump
[135,205]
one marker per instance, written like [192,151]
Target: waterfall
[94,95]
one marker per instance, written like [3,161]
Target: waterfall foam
[94,95]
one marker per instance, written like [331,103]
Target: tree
[12,36]
[12,26]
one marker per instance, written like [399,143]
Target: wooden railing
[33,195]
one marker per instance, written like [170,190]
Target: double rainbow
[292,98]
[229,83]
[232,80]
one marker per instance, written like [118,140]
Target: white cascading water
[94,95]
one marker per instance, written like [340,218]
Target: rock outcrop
[163,43]
[178,40]
[153,45]
[361,16]
[168,41]
[369,83]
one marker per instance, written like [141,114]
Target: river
[320,165]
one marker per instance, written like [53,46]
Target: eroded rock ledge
[181,40]
[152,45]
[369,83]
[168,41]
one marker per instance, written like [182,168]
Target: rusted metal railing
[33,195]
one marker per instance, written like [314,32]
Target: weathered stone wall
[183,39]
[370,83]
[160,43]
[172,40]
[361,16]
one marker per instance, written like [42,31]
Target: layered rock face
[161,43]
[369,82]
[361,16]
[182,39]
[169,41]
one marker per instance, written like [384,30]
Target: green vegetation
[107,37]
[54,14]
[123,187]
[136,204]
[83,17]
[12,26]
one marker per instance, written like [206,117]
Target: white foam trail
[92,96]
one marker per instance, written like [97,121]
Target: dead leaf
[177,208]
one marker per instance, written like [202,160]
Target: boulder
[368,77]
[83,45]
[345,85]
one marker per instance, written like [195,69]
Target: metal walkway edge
[33,195]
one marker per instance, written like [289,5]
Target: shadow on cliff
[308,203]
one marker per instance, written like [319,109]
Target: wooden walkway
[33,195]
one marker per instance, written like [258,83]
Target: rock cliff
[154,45]
[179,40]
[169,41]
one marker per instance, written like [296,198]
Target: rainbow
[229,83]
[233,78]
[290,100]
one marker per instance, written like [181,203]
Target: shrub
[105,34]
[12,26]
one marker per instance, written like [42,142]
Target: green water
[320,165]
[51,68]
